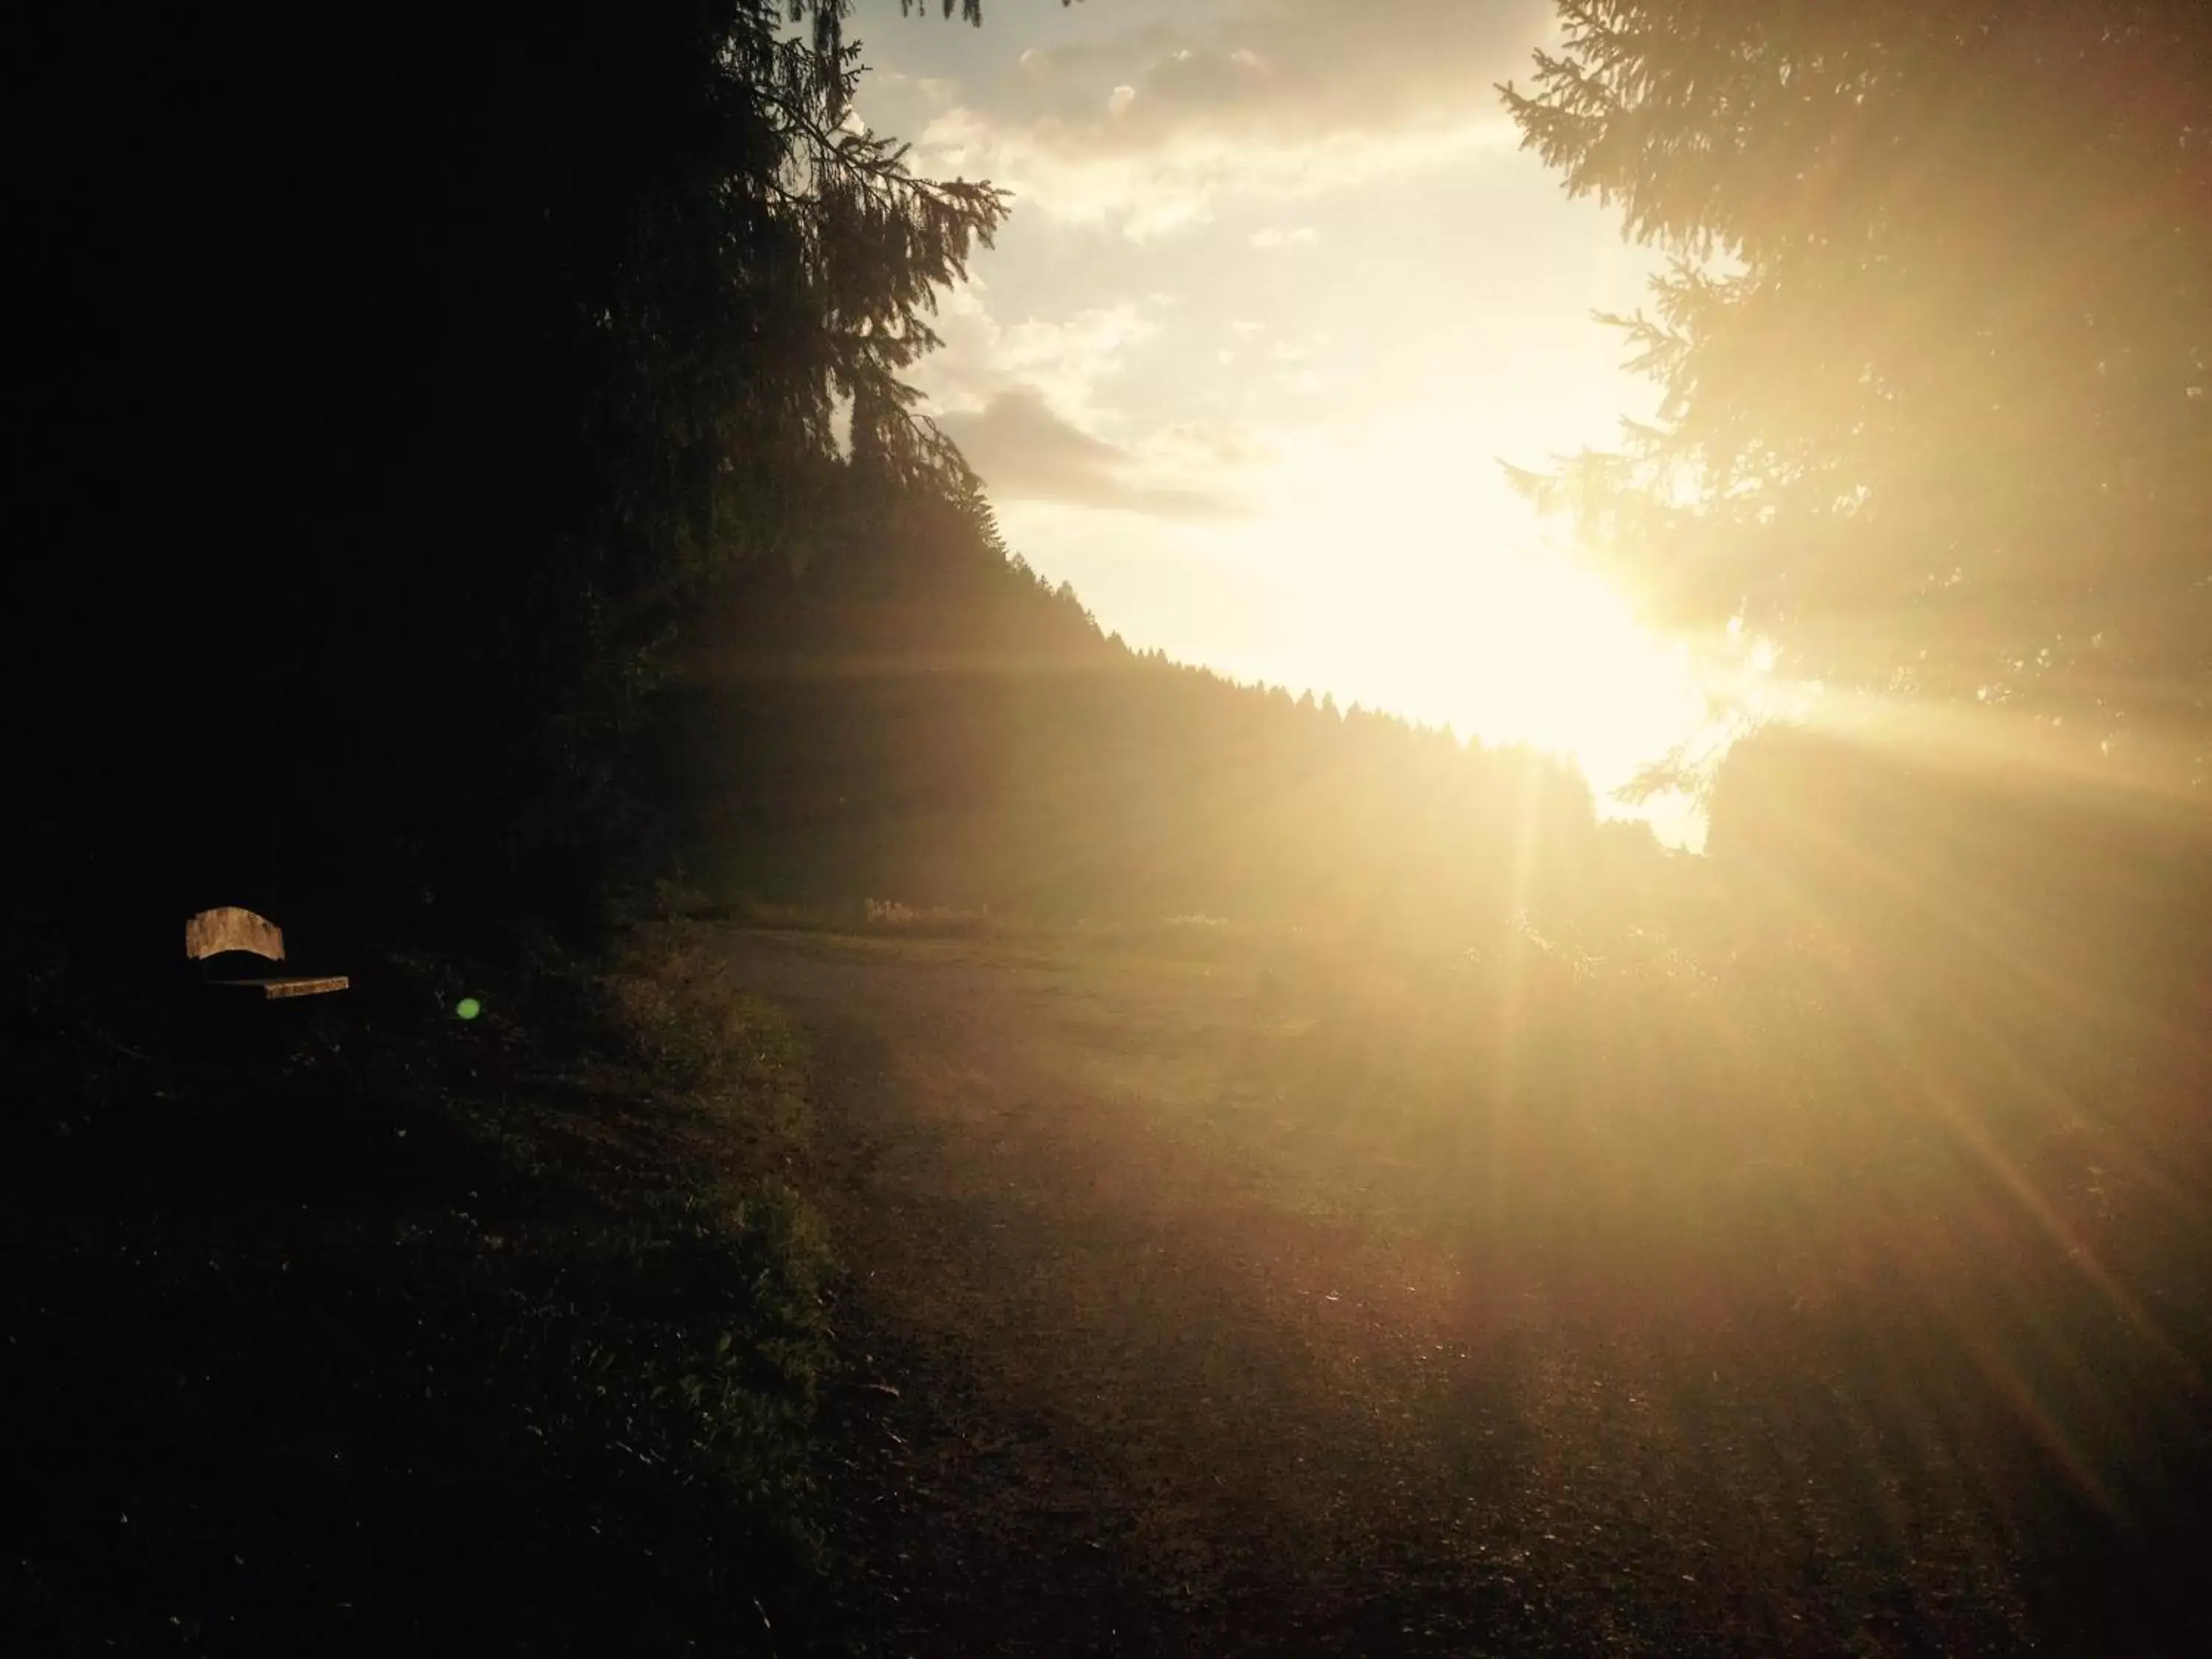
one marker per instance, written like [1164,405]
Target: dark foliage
[378,1331]
[409,373]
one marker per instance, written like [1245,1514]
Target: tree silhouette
[440,366]
[1935,340]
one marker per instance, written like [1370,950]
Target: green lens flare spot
[468,1007]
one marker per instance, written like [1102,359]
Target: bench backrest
[228,927]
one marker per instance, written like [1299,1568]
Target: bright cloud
[1068,360]
[1025,401]
[1148,126]
[1153,193]
[1303,73]
[1024,450]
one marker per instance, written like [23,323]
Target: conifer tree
[1935,339]
[483,345]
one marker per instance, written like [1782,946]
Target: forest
[476,511]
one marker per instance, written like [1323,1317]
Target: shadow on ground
[385,1335]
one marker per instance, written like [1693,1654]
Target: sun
[1577,673]
[1418,583]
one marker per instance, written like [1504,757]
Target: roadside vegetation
[397,1331]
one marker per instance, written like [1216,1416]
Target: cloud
[1024,450]
[1066,360]
[1024,399]
[1306,71]
[1148,127]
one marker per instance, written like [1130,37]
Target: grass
[389,1331]
[394,1333]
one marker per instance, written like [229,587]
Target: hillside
[917,716]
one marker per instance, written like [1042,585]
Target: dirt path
[1150,1399]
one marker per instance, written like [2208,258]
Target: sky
[1279,293]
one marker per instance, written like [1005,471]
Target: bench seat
[273,989]
[231,944]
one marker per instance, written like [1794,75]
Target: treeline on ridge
[917,715]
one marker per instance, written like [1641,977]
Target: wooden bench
[229,944]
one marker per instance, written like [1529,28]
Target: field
[1180,1290]
[1229,1295]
